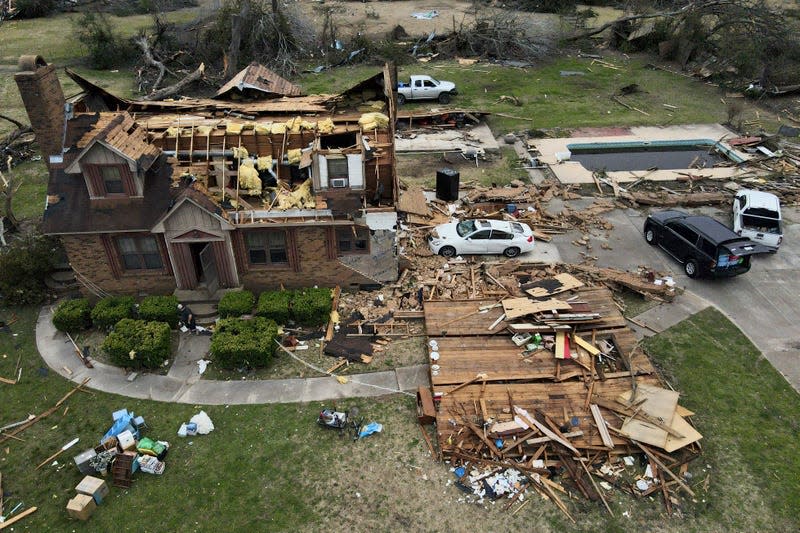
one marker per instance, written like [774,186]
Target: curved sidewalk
[58,353]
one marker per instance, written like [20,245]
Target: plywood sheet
[462,318]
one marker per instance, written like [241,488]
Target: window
[707,248]
[139,253]
[480,235]
[684,232]
[266,247]
[352,240]
[498,235]
[112,180]
[337,168]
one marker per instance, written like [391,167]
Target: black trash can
[447,184]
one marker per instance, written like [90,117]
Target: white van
[757,215]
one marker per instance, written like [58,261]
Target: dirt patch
[378,19]
[420,169]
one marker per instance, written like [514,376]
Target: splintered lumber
[663,467]
[478,377]
[20,516]
[85,360]
[632,281]
[601,426]
[693,199]
[532,422]
[334,306]
[596,489]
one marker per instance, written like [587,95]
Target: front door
[208,267]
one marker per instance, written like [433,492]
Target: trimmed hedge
[275,305]
[236,303]
[73,316]
[311,307]
[238,343]
[111,310]
[138,344]
[160,309]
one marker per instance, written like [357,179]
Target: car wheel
[511,252]
[650,235]
[444,98]
[691,268]
[447,251]
[401,99]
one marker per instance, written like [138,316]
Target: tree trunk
[232,57]
[173,89]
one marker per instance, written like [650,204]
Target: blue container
[511,208]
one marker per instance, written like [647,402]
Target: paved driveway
[764,303]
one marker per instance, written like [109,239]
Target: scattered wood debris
[553,395]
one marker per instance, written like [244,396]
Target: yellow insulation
[264,163]
[294,155]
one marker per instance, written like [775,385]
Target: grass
[269,468]
[750,417]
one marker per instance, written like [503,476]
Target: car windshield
[465,227]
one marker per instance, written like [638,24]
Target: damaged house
[202,195]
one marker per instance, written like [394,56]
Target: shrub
[24,264]
[160,309]
[29,9]
[107,49]
[111,310]
[138,344]
[238,343]
[311,307]
[275,305]
[236,303]
[73,316]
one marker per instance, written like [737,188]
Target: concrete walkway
[183,384]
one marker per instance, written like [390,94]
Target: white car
[481,237]
[757,215]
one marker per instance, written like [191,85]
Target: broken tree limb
[174,89]
[144,44]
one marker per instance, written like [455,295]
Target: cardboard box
[126,440]
[82,461]
[81,507]
[94,487]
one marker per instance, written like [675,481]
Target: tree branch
[173,89]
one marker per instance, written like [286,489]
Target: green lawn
[269,468]
[750,418]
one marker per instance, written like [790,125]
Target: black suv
[704,245]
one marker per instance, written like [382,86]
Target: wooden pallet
[122,471]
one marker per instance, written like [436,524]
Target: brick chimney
[44,101]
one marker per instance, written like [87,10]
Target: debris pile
[549,391]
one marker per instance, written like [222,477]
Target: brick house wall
[44,101]
[315,266]
[89,257]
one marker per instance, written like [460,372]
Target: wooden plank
[585,345]
[14,519]
[561,340]
[601,426]
[517,307]
[532,422]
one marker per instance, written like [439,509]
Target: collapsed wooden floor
[501,403]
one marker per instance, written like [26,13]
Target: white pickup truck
[757,215]
[425,88]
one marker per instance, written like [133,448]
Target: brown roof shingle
[260,78]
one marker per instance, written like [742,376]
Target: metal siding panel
[187,277]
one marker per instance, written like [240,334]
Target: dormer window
[112,180]
[107,181]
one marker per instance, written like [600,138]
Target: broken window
[352,240]
[267,247]
[339,140]
[139,253]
